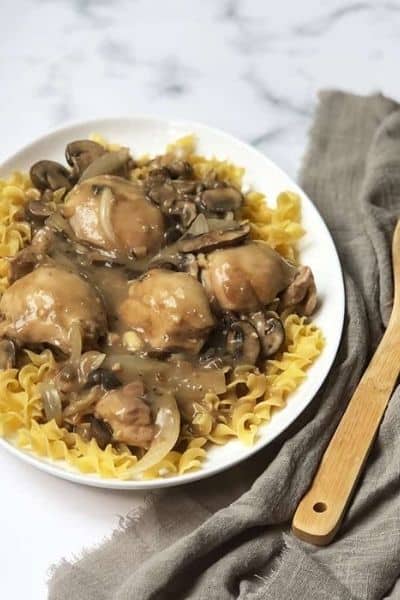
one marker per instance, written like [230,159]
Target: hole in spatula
[320,507]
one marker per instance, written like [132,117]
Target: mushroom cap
[136,225]
[40,308]
[80,154]
[169,310]
[48,174]
[247,277]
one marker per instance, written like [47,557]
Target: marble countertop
[250,67]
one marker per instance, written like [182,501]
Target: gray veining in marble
[252,67]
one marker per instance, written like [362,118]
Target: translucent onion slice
[75,341]
[187,382]
[199,226]
[56,222]
[105,206]
[90,361]
[168,423]
[51,402]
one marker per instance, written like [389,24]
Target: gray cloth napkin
[228,537]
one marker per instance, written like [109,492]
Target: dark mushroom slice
[171,166]
[38,210]
[271,331]
[220,238]
[162,194]
[101,432]
[221,200]
[186,187]
[7,354]
[242,342]
[81,153]
[104,377]
[110,163]
[48,174]
[186,211]
[179,168]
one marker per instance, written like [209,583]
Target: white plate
[145,134]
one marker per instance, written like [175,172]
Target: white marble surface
[251,67]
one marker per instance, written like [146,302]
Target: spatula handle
[320,512]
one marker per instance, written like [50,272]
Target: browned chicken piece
[40,308]
[169,310]
[247,277]
[301,295]
[30,256]
[127,414]
[113,214]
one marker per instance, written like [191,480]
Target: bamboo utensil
[320,512]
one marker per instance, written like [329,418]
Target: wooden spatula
[321,511]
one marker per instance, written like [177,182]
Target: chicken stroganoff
[149,307]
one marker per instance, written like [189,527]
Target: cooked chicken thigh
[170,310]
[247,277]
[127,414]
[41,307]
[113,214]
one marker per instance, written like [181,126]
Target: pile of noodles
[251,396]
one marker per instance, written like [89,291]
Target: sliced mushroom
[190,265]
[110,163]
[171,166]
[39,210]
[48,174]
[179,168]
[187,212]
[81,153]
[101,432]
[164,195]
[186,187]
[243,343]
[221,199]
[271,331]
[7,354]
[219,238]
[104,377]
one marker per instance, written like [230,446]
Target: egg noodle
[251,397]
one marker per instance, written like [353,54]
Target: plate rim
[68,473]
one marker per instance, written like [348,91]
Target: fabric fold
[228,537]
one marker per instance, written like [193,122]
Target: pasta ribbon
[251,396]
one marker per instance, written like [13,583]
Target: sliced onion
[168,422]
[58,223]
[222,224]
[105,206]
[75,341]
[191,384]
[135,366]
[186,381]
[90,361]
[51,402]
[83,404]
[199,226]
